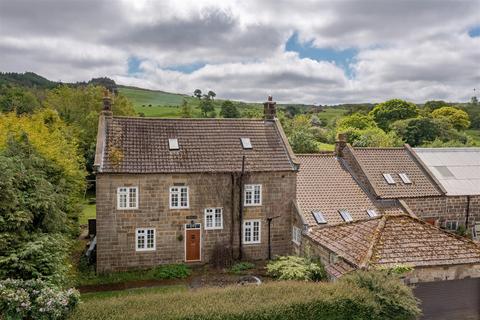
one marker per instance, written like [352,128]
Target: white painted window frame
[127,194]
[179,194]
[451,221]
[252,224]
[296,235]
[214,220]
[246,190]
[145,239]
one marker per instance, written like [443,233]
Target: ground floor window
[145,239]
[296,235]
[251,231]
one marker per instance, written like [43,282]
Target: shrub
[296,268]
[35,299]
[241,266]
[395,299]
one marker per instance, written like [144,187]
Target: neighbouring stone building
[342,220]
[176,190]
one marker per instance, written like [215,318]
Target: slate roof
[377,161]
[324,183]
[338,269]
[457,169]
[140,145]
[395,239]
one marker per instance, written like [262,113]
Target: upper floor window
[145,239]
[296,235]
[253,195]
[451,225]
[213,218]
[173,144]
[127,198]
[251,231]
[178,197]
[319,218]
[345,215]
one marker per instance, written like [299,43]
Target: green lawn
[475,133]
[331,113]
[89,212]
[145,97]
[92,296]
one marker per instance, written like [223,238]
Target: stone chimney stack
[269,109]
[340,144]
[107,103]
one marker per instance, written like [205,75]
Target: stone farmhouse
[189,190]
[178,190]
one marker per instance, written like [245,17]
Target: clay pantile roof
[396,240]
[325,184]
[338,269]
[140,145]
[377,161]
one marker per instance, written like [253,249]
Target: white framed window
[145,239]
[296,235]
[178,197]
[213,218]
[345,215]
[252,231]
[127,198]
[388,177]
[372,213]
[405,178]
[252,195]
[451,225]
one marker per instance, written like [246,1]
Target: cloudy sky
[322,52]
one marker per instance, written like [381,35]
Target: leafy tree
[390,111]
[186,110]
[474,101]
[434,105]
[207,108]
[80,108]
[211,94]
[303,141]
[371,137]
[417,131]
[356,121]
[229,110]
[197,93]
[458,118]
[17,99]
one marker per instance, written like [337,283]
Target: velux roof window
[345,215]
[318,215]
[246,143]
[388,177]
[372,213]
[173,144]
[405,178]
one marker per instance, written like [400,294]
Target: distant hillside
[145,97]
[27,79]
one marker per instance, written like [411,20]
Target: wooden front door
[192,245]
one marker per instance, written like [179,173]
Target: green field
[331,113]
[144,97]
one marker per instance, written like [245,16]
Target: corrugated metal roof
[457,169]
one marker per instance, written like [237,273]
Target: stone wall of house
[444,208]
[309,248]
[116,228]
[440,273]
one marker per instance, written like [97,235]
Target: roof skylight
[405,178]
[173,144]
[345,215]
[246,143]
[318,215]
[372,213]
[388,177]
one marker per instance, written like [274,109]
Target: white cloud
[410,49]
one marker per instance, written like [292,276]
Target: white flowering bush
[35,299]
